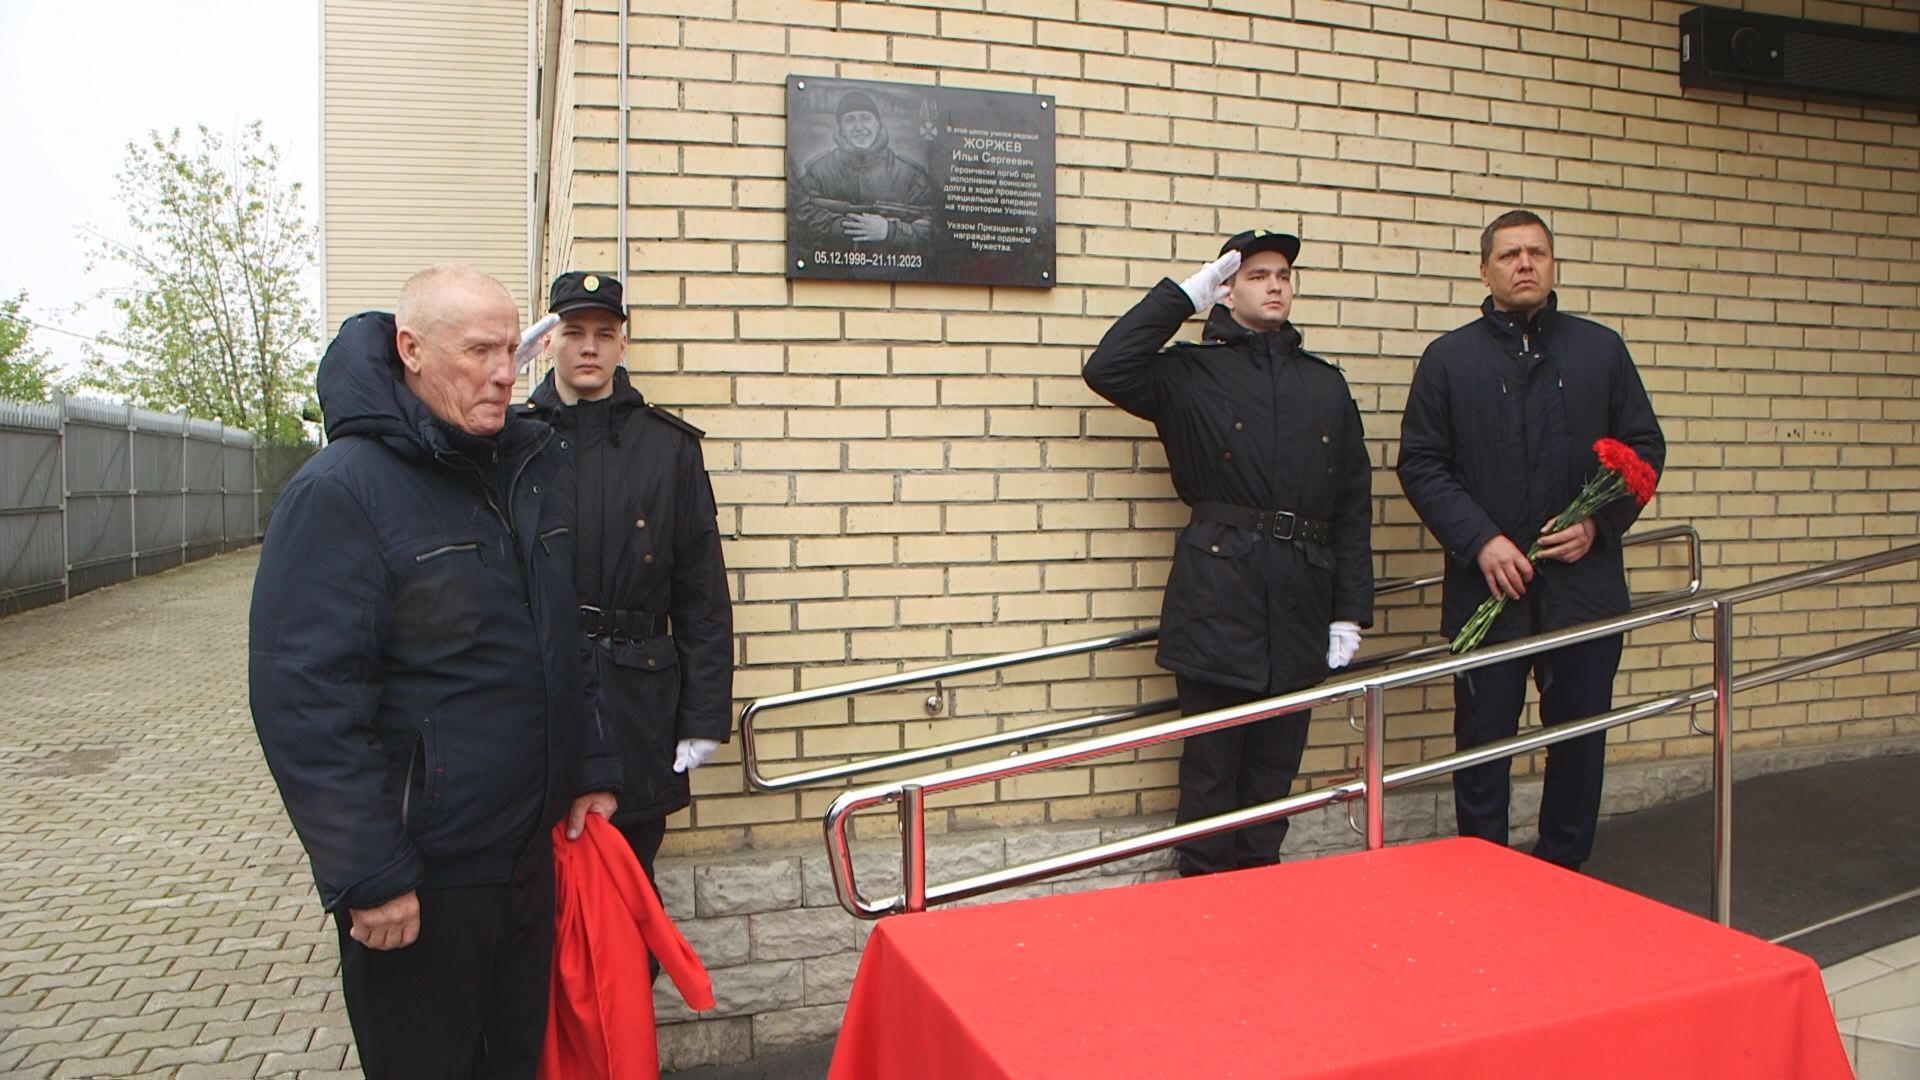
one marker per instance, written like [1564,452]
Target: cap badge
[590,283]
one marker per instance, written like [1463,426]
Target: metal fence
[93,493]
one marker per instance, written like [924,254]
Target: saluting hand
[1209,286]
[1506,568]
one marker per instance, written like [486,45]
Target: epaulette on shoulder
[1322,359]
[676,421]
[1183,344]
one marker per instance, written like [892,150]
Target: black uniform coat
[1498,437]
[1249,419]
[415,667]
[635,482]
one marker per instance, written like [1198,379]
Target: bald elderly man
[418,683]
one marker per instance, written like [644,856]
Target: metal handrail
[1376,779]
[754,709]
[750,754]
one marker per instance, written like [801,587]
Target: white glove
[1209,286]
[531,340]
[693,753]
[1343,640]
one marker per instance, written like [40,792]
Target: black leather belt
[1279,524]
[621,624]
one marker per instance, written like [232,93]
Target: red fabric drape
[1450,960]
[607,921]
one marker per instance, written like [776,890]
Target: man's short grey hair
[423,299]
[1507,221]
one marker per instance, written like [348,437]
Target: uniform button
[640,523]
[536,489]
[1215,548]
[649,661]
[1329,470]
[1238,426]
[1228,456]
[648,558]
[1324,440]
[563,444]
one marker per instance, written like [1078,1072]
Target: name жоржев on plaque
[918,183]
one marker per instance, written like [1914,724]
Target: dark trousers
[1575,682]
[1229,770]
[468,999]
[644,838]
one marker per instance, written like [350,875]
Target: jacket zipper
[448,549]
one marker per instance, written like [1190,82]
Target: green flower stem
[1603,488]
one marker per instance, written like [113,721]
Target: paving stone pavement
[156,914]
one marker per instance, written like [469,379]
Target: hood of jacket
[363,392]
[1222,326]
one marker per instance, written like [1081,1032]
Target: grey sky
[80,81]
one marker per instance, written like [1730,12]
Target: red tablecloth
[1449,959]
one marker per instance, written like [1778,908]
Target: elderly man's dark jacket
[1497,439]
[634,483]
[1251,420]
[416,673]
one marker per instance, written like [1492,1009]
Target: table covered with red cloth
[1454,958]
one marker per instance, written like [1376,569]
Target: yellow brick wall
[911,473]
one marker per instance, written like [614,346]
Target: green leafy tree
[25,372]
[217,321]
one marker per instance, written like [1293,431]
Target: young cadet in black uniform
[647,563]
[1272,577]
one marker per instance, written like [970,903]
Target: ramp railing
[909,796]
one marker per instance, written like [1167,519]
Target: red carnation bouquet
[1622,473]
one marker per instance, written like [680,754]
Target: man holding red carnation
[1497,440]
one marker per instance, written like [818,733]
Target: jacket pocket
[1213,570]
[654,654]
[441,551]
[420,798]
[1213,618]
[640,701]
[1318,556]
[445,589]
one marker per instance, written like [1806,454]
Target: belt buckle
[595,617]
[1278,516]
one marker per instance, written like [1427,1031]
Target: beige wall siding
[911,473]
[424,144]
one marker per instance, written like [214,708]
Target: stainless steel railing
[910,795]
[754,710]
